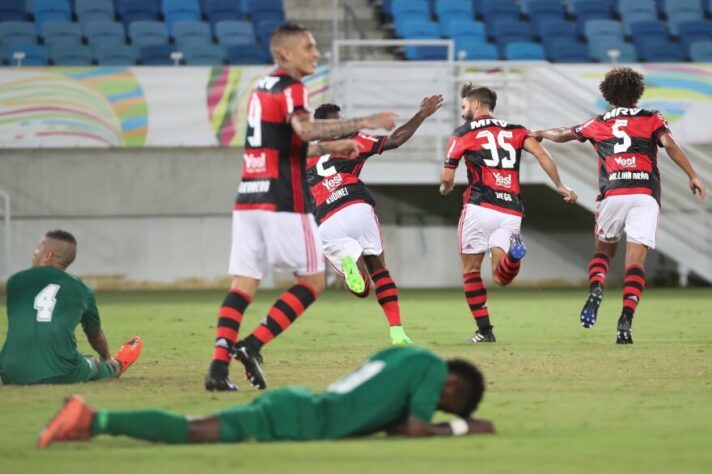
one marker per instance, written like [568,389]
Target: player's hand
[350,148]
[446,188]
[698,188]
[385,120]
[480,426]
[430,105]
[568,194]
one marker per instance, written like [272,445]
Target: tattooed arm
[309,129]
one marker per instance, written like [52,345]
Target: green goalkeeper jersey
[390,386]
[44,307]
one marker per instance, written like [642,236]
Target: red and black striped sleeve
[455,150]
[370,144]
[659,127]
[580,131]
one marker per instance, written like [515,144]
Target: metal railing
[6,227]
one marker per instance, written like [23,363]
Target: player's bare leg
[387,295]
[633,285]
[597,272]
[476,296]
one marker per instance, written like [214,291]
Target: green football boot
[352,275]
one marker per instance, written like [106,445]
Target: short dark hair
[61,235]
[622,87]
[324,110]
[482,94]
[286,29]
[474,383]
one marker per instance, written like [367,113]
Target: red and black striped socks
[229,320]
[507,270]
[387,295]
[476,296]
[597,270]
[282,314]
[633,285]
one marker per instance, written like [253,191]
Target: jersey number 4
[494,145]
[45,302]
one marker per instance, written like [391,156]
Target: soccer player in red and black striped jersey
[348,225]
[272,222]
[492,207]
[626,139]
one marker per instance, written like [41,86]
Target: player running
[272,223]
[348,225]
[44,306]
[397,390]
[492,213]
[626,140]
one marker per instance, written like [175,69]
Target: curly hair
[482,94]
[474,382]
[324,110]
[622,87]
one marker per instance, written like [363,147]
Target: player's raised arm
[309,129]
[402,134]
[558,135]
[350,148]
[677,155]
[547,164]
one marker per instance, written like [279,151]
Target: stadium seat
[12,10]
[672,7]
[418,29]
[494,10]
[637,17]
[694,31]
[555,29]
[180,10]
[544,9]
[61,32]
[675,19]
[143,33]
[597,29]
[647,31]
[94,10]
[70,54]
[244,55]
[35,55]
[701,51]
[264,29]
[599,51]
[115,55]
[567,52]
[156,55]
[448,10]
[192,32]
[50,10]
[407,10]
[462,27]
[266,10]
[104,32]
[138,10]
[200,54]
[660,51]
[222,10]
[591,10]
[524,51]
[510,31]
[17,32]
[473,48]
[628,7]
[234,32]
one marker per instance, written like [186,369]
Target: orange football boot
[129,353]
[71,423]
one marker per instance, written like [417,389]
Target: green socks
[151,425]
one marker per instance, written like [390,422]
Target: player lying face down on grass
[44,306]
[397,391]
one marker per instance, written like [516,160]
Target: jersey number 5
[618,133]
[494,145]
[45,302]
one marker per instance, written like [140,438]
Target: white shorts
[284,240]
[636,214]
[352,231]
[481,228]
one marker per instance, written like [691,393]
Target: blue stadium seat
[597,29]
[138,10]
[675,19]
[660,51]
[192,32]
[473,48]
[628,7]
[494,10]
[222,10]
[266,10]
[104,32]
[156,55]
[17,32]
[94,10]
[61,31]
[555,29]
[524,51]
[462,27]
[510,31]
[115,55]
[200,54]
[637,17]
[264,29]
[544,9]
[70,54]
[407,10]
[566,52]
[244,55]
[671,7]
[448,10]
[418,29]
[701,51]
[35,55]
[50,10]
[234,32]
[591,10]
[648,31]
[694,31]
[599,51]
[143,33]
[12,10]
[180,10]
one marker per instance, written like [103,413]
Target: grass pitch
[564,399]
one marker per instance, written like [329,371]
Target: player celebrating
[397,391]
[348,225]
[626,140]
[492,213]
[272,223]
[44,306]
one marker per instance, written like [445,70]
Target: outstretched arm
[547,164]
[309,129]
[559,135]
[402,134]
[350,148]
[97,341]
[415,428]
[680,158]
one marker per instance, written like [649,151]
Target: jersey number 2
[494,145]
[45,302]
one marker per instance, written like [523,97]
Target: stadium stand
[17,32]
[156,55]
[33,54]
[104,32]
[65,32]
[701,51]
[94,10]
[138,10]
[202,54]
[12,10]
[70,54]
[222,10]
[234,32]
[49,10]
[144,33]
[106,54]
[180,10]
[185,32]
